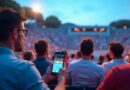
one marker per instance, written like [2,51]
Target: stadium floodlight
[84,29]
[125,27]
[95,29]
[76,29]
[102,29]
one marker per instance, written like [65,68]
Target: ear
[14,34]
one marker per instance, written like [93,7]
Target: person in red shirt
[117,79]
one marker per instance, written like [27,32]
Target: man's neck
[119,58]
[86,57]
[42,56]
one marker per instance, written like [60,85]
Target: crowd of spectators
[33,71]
[60,38]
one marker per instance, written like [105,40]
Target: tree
[38,17]
[10,4]
[120,23]
[29,13]
[52,21]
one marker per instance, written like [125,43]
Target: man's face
[19,44]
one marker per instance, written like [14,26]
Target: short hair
[27,55]
[117,49]
[41,47]
[72,55]
[101,58]
[86,46]
[108,57]
[9,19]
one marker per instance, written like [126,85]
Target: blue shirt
[41,64]
[16,74]
[85,73]
[115,62]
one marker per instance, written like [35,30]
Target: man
[16,74]
[41,63]
[100,59]
[117,79]
[85,72]
[72,58]
[115,50]
[29,55]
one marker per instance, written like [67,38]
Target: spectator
[72,58]
[116,51]
[108,58]
[85,72]
[41,62]
[29,55]
[78,55]
[17,74]
[100,60]
[117,79]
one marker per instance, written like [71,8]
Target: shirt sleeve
[31,80]
[109,82]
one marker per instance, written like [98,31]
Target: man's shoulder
[20,65]
[74,64]
[97,67]
[122,67]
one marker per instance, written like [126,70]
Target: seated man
[85,72]
[17,74]
[116,51]
[41,61]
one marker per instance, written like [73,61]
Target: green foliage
[120,23]
[10,4]
[29,13]
[52,22]
[39,19]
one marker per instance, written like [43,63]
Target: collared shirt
[85,73]
[41,64]
[16,74]
[115,62]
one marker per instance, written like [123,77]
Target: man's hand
[48,76]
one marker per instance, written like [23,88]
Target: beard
[18,49]
[18,46]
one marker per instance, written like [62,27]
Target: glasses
[25,31]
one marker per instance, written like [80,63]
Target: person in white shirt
[85,72]
[116,50]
